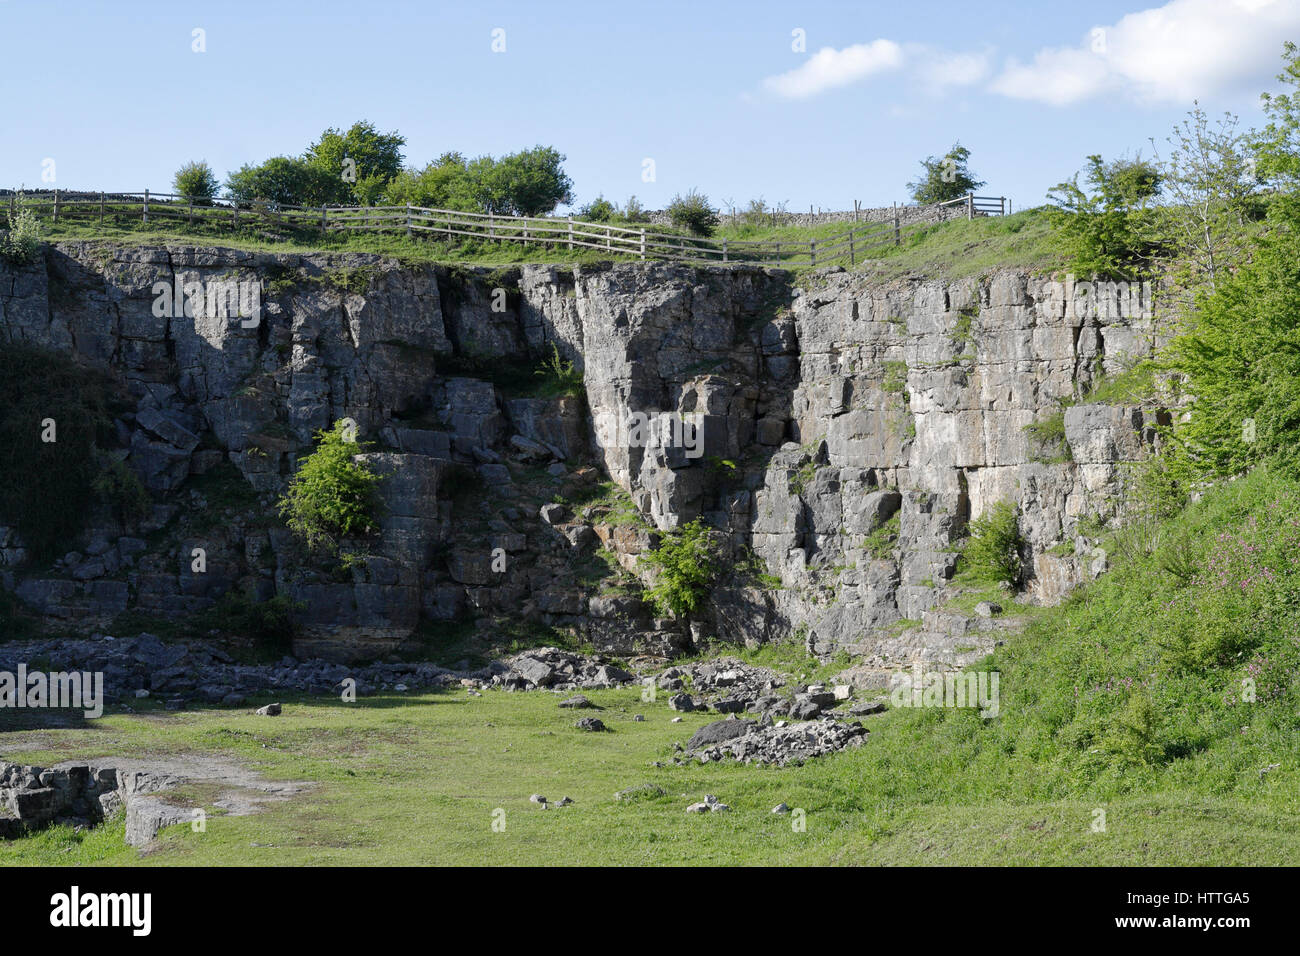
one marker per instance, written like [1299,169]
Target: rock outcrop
[843,435]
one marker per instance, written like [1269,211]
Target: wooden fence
[451,226]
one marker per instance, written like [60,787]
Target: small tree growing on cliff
[946,177]
[332,496]
[993,553]
[686,565]
[1106,230]
[20,241]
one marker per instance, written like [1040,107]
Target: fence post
[724,250]
[408,220]
[146,205]
[323,219]
[191,219]
[970,206]
[852,258]
[812,252]
[234,206]
[1002,201]
[642,242]
[570,233]
[897,236]
[778,253]
[56,203]
[855,210]
[608,247]
[492,226]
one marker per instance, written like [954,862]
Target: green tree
[1241,356]
[599,209]
[360,162]
[946,177]
[197,182]
[528,183]
[531,182]
[332,496]
[633,211]
[1208,179]
[686,563]
[442,184]
[692,210]
[1107,231]
[1277,145]
[286,181]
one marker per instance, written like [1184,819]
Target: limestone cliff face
[826,409]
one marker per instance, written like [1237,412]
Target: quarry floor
[446,777]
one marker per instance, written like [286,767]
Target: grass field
[952,250]
[416,780]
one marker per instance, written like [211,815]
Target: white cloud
[1184,50]
[829,68]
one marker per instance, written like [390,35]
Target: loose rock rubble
[729,686]
[733,685]
[200,673]
[772,743]
[553,668]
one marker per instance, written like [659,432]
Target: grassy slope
[415,779]
[950,250]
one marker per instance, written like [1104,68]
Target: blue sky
[713,92]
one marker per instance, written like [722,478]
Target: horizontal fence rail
[450,225]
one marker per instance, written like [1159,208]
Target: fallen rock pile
[772,743]
[731,686]
[550,667]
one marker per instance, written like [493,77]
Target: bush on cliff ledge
[332,496]
[687,564]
